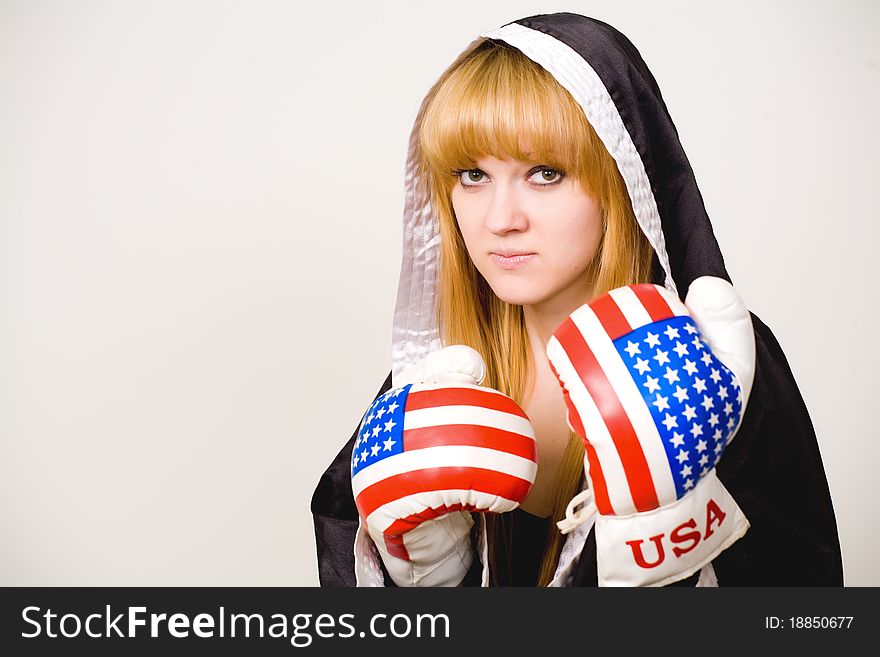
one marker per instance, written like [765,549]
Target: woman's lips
[512,261]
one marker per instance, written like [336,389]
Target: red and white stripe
[465,448]
[628,466]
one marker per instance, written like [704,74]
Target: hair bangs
[501,104]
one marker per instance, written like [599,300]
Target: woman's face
[530,230]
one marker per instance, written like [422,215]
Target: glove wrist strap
[670,543]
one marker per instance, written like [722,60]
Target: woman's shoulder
[773,468]
[776,418]
[332,496]
[335,515]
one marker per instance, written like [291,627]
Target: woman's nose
[506,212]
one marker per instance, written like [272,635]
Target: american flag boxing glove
[430,452]
[656,389]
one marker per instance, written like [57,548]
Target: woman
[546,163]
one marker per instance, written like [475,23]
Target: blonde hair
[495,101]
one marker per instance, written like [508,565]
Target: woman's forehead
[523,150]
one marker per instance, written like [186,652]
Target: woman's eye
[546,176]
[541,176]
[470,177]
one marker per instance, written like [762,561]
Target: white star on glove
[652,384]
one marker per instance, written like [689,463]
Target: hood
[606,75]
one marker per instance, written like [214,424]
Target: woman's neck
[543,319]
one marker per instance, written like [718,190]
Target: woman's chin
[518,297]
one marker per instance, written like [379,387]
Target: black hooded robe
[773,468]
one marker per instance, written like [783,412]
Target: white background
[200,237]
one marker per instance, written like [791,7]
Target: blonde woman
[544,171]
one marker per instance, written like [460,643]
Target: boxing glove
[656,389]
[429,453]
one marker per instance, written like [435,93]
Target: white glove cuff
[662,546]
[440,553]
